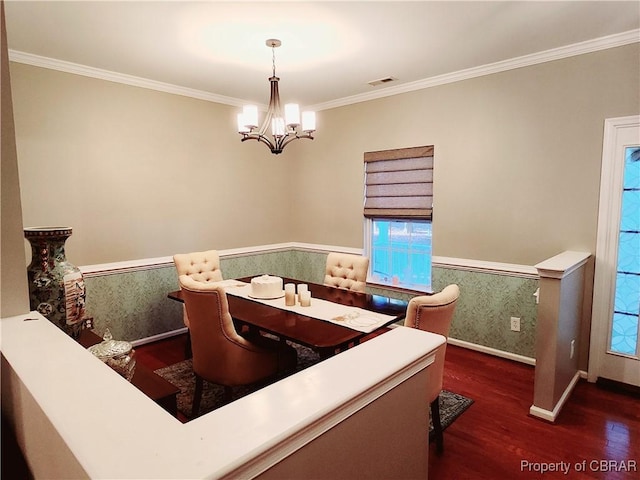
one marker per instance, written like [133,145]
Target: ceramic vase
[56,287]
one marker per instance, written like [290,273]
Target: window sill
[399,288]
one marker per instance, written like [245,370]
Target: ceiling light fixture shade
[286,124]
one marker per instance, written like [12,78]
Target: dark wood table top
[305,330]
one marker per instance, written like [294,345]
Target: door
[614,351]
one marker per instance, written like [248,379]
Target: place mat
[354,318]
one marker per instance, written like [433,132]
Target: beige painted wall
[14,298]
[517,157]
[140,174]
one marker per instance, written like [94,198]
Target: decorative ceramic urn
[56,287]
[119,355]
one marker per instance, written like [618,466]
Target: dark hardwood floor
[493,438]
[496,435]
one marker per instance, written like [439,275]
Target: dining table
[297,324]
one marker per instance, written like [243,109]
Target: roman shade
[399,183]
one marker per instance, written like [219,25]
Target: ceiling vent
[381,81]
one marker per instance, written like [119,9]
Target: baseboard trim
[158,337]
[551,415]
[452,341]
[542,414]
[492,351]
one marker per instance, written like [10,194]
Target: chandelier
[286,126]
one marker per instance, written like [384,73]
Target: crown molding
[78,69]
[589,46]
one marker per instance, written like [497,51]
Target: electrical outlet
[573,348]
[515,324]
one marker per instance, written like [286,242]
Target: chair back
[220,354]
[344,270]
[433,313]
[201,267]
[211,327]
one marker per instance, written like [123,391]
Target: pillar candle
[305,298]
[289,294]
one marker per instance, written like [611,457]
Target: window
[398,211]
[624,332]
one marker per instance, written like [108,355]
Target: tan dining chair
[220,354]
[201,267]
[348,271]
[433,313]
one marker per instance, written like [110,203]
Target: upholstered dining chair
[220,354]
[433,313]
[348,271]
[200,266]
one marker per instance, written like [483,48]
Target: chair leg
[197,397]
[437,426]
[187,346]
[228,394]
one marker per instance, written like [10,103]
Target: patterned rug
[452,405]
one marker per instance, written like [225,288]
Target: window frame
[368,249]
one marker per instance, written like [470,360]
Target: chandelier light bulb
[308,121]
[292,114]
[242,124]
[277,127]
[250,114]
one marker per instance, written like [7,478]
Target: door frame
[607,240]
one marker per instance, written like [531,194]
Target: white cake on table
[266,286]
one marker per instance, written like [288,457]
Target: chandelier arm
[260,138]
[265,124]
[267,142]
[274,99]
[290,138]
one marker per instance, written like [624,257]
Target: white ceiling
[330,50]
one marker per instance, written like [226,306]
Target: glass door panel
[624,326]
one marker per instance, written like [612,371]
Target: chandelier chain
[273,58]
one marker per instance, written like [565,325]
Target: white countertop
[115,431]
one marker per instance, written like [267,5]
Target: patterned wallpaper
[134,304]
[487,302]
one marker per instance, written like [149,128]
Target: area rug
[452,405]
